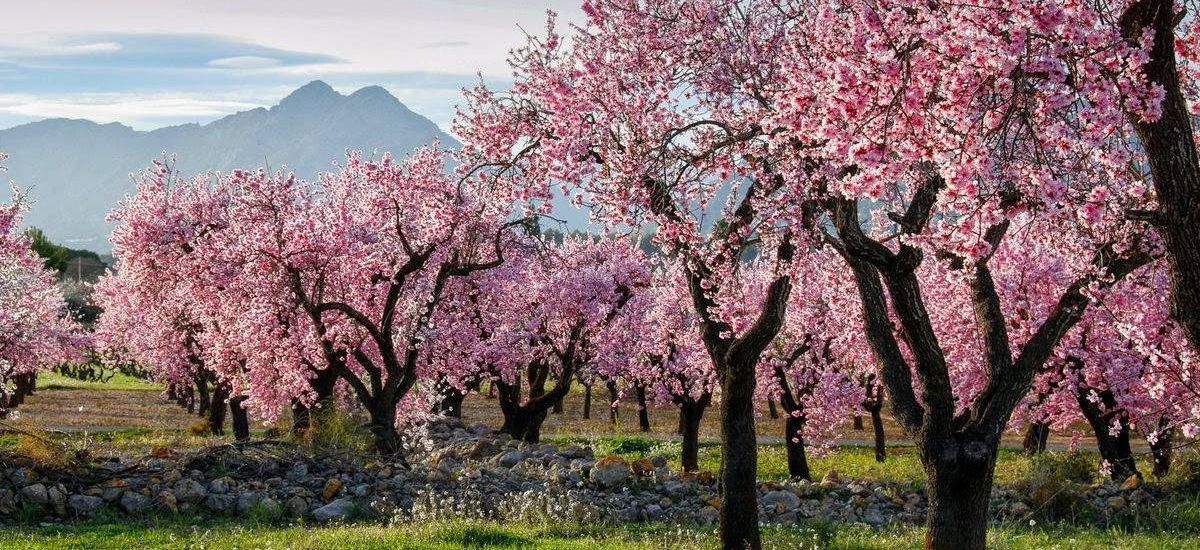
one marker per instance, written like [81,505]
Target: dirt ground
[107,410]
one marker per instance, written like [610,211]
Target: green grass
[447,535]
[50,380]
[902,464]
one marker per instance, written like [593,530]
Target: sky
[154,63]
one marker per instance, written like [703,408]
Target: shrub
[639,446]
[198,428]
[334,430]
[1057,482]
[37,446]
[1071,466]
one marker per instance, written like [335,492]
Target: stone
[575,451]
[831,477]
[58,499]
[35,494]
[340,509]
[873,517]
[709,515]
[654,512]
[1116,503]
[134,503]
[298,471]
[296,506]
[1132,482]
[332,487]
[511,458]
[658,461]
[611,471]
[220,486]
[1019,509]
[167,500]
[246,502]
[270,507]
[220,503]
[189,490]
[1138,497]
[83,505]
[448,465]
[781,501]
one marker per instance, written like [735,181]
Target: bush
[638,446]
[37,446]
[1070,466]
[198,428]
[334,430]
[1057,482]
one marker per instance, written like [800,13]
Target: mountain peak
[316,92]
[373,92]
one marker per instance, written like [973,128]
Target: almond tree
[649,113]
[35,330]
[365,256]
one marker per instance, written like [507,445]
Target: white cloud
[244,62]
[141,111]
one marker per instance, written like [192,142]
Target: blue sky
[153,63]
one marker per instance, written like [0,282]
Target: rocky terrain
[454,470]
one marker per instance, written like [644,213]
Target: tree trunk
[643,411]
[239,419]
[613,401]
[383,428]
[1114,449]
[771,409]
[793,434]
[1170,148]
[880,437]
[450,399]
[1035,438]
[558,407]
[1161,449]
[959,486]
[322,385]
[739,460]
[202,397]
[587,401]
[858,422]
[216,410]
[690,415]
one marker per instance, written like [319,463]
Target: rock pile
[459,471]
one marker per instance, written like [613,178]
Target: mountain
[77,170]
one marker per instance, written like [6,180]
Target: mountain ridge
[77,170]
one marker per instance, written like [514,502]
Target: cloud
[245,62]
[153,51]
[141,111]
[445,44]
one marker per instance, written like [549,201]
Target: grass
[49,380]
[176,534]
[902,464]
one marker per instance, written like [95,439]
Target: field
[136,419]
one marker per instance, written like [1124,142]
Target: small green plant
[1069,466]
[632,446]
[334,430]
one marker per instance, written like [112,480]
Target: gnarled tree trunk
[959,472]
[691,412]
[216,410]
[1161,447]
[1170,147]
[239,419]
[643,410]
[1035,438]
[1114,446]
[322,385]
